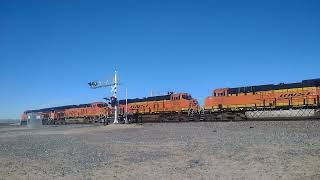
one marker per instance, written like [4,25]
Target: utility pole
[114,89]
[126,120]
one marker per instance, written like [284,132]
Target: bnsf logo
[294,95]
[138,106]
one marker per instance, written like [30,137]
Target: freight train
[156,106]
[240,103]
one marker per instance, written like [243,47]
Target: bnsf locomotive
[280,101]
[171,107]
[179,102]
[225,103]
[304,94]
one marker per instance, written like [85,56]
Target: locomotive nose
[195,102]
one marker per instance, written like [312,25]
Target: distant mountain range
[9,120]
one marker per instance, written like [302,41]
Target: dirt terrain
[206,150]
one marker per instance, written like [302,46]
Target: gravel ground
[206,150]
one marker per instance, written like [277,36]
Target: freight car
[237,101]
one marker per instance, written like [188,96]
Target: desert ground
[198,150]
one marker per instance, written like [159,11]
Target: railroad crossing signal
[99,84]
[113,101]
[113,85]
[93,84]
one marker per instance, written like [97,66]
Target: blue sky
[49,50]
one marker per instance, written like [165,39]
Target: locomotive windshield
[101,105]
[187,97]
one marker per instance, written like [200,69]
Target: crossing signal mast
[114,90]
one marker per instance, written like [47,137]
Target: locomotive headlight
[113,101]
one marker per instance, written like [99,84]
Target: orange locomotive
[171,107]
[87,113]
[304,94]
[171,103]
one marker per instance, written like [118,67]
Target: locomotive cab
[99,105]
[220,92]
[185,101]
[181,96]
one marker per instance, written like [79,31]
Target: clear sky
[51,49]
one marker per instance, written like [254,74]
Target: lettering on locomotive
[287,96]
[138,106]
